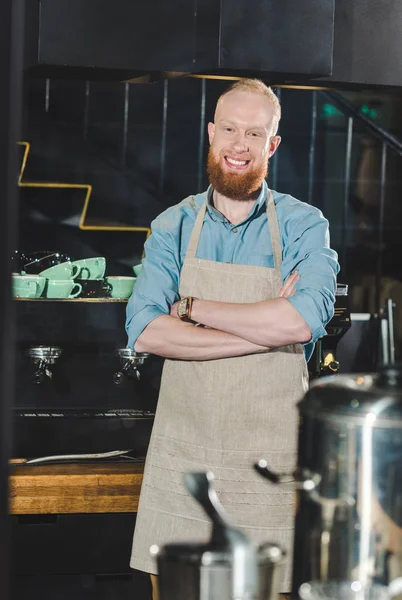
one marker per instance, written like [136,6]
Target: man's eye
[254,134]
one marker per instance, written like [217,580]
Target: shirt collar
[217,216]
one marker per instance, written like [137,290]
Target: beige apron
[223,415]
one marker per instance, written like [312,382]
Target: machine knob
[118,378]
[38,377]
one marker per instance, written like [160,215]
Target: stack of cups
[45,274]
[90,275]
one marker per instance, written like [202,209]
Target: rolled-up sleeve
[157,285]
[308,251]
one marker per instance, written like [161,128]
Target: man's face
[241,143]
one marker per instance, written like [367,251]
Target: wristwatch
[184,308]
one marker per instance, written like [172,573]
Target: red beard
[236,186]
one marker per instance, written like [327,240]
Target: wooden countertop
[75,488]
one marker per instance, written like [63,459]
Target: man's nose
[240,143]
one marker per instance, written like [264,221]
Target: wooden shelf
[75,488]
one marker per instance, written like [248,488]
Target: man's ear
[273,144]
[211,132]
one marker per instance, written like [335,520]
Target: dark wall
[367,48]
[11,43]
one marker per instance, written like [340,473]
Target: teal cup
[59,288]
[62,271]
[28,286]
[137,269]
[90,268]
[121,287]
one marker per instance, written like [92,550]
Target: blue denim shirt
[305,244]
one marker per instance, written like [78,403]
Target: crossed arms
[298,315]
[232,329]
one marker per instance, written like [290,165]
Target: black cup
[94,288]
[36,262]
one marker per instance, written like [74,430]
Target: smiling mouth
[235,163]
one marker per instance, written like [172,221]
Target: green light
[369,112]
[329,110]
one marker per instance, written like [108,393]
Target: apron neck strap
[272,224]
[195,234]
[274,230]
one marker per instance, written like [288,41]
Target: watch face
[182,308]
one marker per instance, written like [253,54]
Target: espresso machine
[348,525]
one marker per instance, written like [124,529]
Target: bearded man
[253,267]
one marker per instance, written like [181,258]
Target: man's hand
[173,309]
[286,291]
[289,287]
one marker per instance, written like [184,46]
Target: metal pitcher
[229,567]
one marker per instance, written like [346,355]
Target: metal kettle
[349,513]
[229,567]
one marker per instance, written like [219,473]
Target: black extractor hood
[310,42]
[129,39]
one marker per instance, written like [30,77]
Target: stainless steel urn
[228,567]
[349,514]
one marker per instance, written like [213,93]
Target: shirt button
[235,230]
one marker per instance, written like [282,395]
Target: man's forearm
[171,338]
[269,323]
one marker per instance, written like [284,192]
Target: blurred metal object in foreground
[349,514]
[228,567]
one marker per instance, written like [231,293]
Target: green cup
[137,269]
[59,288]
[90,268]
[62,271]
[28,286]
[122,287]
